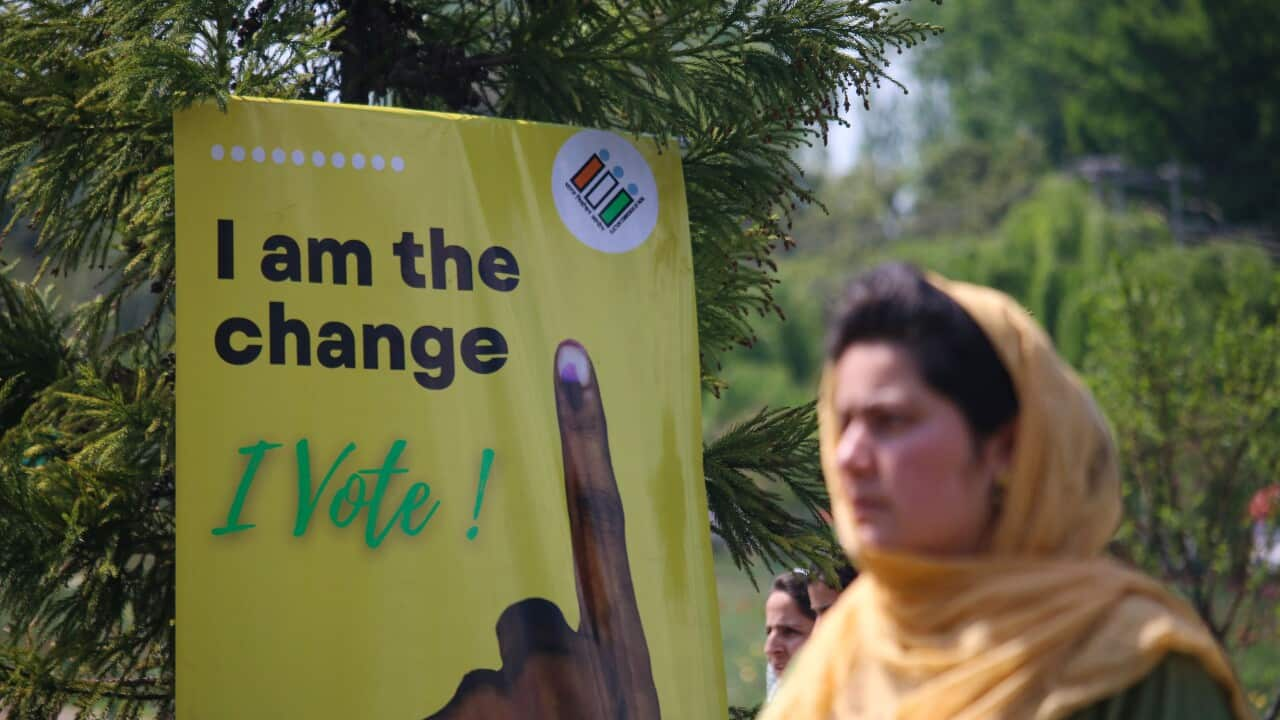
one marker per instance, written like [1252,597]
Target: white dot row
[299,158]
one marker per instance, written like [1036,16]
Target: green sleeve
[1177,689]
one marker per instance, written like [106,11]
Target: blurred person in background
[822,596]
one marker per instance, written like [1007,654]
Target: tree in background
[1193,82]
[1185,358]
[87,91]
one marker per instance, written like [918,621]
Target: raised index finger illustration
[606,595]
[602,669]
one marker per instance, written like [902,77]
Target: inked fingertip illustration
[572,364]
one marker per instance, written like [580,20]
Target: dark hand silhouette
[601,671]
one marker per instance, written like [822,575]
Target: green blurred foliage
[1045,251]
[1185,357]
[1193,81]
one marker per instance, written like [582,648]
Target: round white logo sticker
[604,191]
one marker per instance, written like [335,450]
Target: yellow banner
[439,448]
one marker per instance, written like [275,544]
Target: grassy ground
[1259,669]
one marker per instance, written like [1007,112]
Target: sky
[888,132]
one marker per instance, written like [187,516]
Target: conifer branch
[87,92]
[753,471]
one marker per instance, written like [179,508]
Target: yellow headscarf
[1040,626]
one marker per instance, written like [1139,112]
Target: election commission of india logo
[604,191]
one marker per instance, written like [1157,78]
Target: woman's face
[910,475]
[785,628]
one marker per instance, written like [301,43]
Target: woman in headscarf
[788,621]
[973,481]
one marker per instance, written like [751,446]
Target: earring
[997,496]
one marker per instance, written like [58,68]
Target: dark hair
[845,574]
[796,584]
[894,303]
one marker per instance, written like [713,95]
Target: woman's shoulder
[1179,687]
